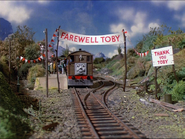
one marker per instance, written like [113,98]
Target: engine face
[80,68]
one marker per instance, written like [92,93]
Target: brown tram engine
[80,69]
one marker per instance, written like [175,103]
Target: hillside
[140,68]
[11,113]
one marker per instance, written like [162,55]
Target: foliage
[119,50]
[131,52]
[11,113]
[10,122]
[24,37]
[182,44]
[181,74]
[178,91]
[35,71]
[8,98]
[66,51]
[170,85]
[32,51]
[99,60]
[23,71]
[4,66]
[139,45]
[148,44]
[17,43]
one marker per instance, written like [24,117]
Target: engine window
[88,58]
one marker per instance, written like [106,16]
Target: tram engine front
[80,69]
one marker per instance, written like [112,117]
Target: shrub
[32,51]
[178,91]
[4,66]
[10,122]
[23,71]
[13,119]
[99,60]
[181,74]
[35,71]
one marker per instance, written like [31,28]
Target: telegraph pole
[57,59]
[46,48]
[125,57]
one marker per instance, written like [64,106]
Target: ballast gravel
[57,109]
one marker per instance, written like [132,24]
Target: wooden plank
[177,108]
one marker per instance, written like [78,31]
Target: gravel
[151,119]
[56,114]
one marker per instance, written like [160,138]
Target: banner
[90,39]
[162,56]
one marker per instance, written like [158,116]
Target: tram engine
[80,68]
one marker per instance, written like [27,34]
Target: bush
[32,51]
[35,71]
[99,60]
[178,91]
[13,119]
[23,71]
[181,74]
[10,122]
[4,66]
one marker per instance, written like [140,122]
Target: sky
[94,17]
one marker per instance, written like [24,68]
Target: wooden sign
[162,56]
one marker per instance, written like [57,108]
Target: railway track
[94,118]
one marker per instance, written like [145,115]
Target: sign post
[125,57]
[161,57]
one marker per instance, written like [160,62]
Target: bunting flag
[32,61]
[53,39]
[52,42]
[141,54]
[124,31]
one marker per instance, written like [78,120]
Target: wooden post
[46,48]
[9,58]
[155,80]
[156,86]
[57,59]
[173,66]
[125,57]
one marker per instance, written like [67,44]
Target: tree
[17,41]
[99,60]
[66,52]
[119,50]
[22,38]
[32,51]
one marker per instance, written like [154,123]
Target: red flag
[52,40]
[44,55]
[28,61]
[50,45]
[34,61]
[23,59]
[54,35]
[39,59]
